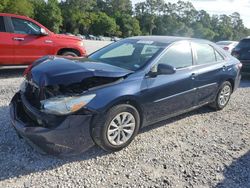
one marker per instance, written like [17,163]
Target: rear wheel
[223,96]
[118,129]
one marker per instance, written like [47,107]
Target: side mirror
[43,32]
[165,69]
[161,69]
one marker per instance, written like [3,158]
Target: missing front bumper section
[71,136]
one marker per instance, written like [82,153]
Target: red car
[24,40]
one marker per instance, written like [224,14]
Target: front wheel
[118,129]
[69,54]
[223,96]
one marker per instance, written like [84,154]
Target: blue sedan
[65,106]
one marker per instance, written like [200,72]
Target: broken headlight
[65,105]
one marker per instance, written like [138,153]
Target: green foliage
[22,7]
[116,17]
[3,4]
[49,14]
[129,26]
[103,24]
[182,19]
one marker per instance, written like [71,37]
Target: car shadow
[11,73]
[17,158]
[237,174]
[202,110]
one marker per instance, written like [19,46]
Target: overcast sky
[220,7]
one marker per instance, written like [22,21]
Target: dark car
[65,106]
[242,52]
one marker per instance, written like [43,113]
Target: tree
[116,17]
[48,13]
[129,26]
[22,7]
[103,25]
[3,4]
[112,7]
[77,15]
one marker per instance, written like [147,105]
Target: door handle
[193,76]
[18,39]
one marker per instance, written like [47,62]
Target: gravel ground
[202,148]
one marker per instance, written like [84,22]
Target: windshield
[130,54]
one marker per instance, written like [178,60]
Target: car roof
[167,39]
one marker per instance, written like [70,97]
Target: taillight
[226,48]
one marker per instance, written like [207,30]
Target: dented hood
[54,70]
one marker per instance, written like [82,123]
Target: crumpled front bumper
[70,135]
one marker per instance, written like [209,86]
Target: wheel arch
[231,81]
[62,50]
[131,101]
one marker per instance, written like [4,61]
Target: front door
[170,94]
[29,43]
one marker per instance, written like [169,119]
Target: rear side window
[205,53]
[2,27]
[178,56]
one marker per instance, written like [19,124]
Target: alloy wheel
[121,128]
[224,95]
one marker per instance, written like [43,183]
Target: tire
[106,131]
[223,96]
[69,53]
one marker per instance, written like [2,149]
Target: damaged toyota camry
[66,106]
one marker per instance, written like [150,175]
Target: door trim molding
[184,92]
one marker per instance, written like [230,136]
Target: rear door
[6,43]
[210,68]
[29,43]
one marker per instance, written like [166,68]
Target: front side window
[2,27]
[205,53]
[25,27]
[178,56]
[130,54]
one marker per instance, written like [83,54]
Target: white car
[227,45]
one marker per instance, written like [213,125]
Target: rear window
[2,27]
[224,43]
[245,43]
